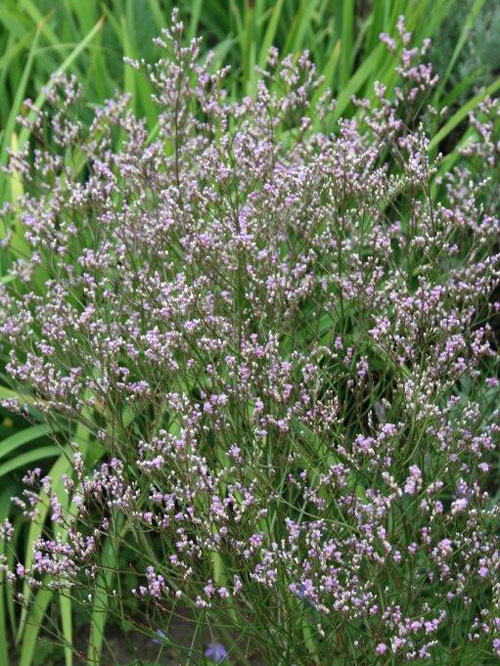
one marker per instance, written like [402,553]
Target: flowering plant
[273,348]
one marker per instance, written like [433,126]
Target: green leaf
[467,27]
[66,64]
[299,27]
[270,33]
[347,41]
[107,566]
[22,437]
[357,80]
[328,73]
[18,100]
[62,466]
[67,627]
[462,113]
[28,458]
[5,505]
[192,31]
[33,625]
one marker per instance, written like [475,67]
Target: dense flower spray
[277,334]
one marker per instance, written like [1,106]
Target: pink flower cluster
[283,342]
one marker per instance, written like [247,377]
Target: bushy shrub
[281,345]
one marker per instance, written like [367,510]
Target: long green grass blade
[86,12]
[16,183]
[65,607]
[10,394]
[466,29]
[270,33]
[462,113]
[39,19]
[158,13]
[100,607]
[22,437]
[357,80]
[28,458]
[18,100]
[61,467]
[65,603]
[328,73]
[194,19]
[299,27]
[5,505]
[347,40]
[34,624]
[66,64]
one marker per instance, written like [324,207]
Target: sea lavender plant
[283,345]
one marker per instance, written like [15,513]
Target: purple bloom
[162,637]
[216,652]
[302,593]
